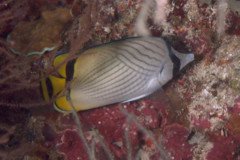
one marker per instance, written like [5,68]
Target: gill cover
[119,71]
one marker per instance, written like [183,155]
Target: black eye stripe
[162,69]
[175,60]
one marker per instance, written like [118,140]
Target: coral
[233,124]
[12,12]
[224,148]
[221,16]
[202,145]
[16,153]
[6,133]
[112,124]
[236,107]
[201,123]
[161,12]
[175,139]
[141,22]
[233,27]
[42,34]
[13,137]
[210,92]
[234,6]
[72,146]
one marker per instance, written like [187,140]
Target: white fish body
[121,71]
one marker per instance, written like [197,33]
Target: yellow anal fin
[64,106]
[61,104]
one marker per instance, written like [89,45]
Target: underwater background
[196,116]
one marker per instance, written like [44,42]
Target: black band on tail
[50,87]
[70,69]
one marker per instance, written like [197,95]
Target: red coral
[199,44]
[201,123]
[113,125]
[175,140]
[234,21]
[111,122]
[225,148]
[236,107]
[72,146]
[146,111]
[178,9]
[233,123]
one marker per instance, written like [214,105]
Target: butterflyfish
[119,71]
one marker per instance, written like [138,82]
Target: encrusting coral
[25,37]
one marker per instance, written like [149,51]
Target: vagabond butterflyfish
[119,71]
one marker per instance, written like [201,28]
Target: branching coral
[11,11]
[16,70]
[221,16]
[118,132]
[7,132]
[16,153]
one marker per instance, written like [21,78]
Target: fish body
[119,71]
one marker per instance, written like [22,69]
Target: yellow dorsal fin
[57,61]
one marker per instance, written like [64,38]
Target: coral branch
[141,22]
[222,7]
[4,49]
[80,130]
[12,11]
[82,27]
[17,153]
[9,131]
[159,146]
[161,12]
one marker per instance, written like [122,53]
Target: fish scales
[140,65]
[111,83]
[130,89]
[89,72]
[151,59]
[101,73]
[114,81]
[151,46]
[142,49]
[138,54]
[105,79]
[118,86]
